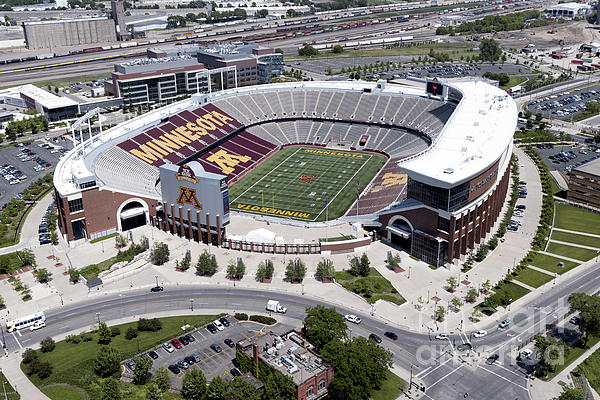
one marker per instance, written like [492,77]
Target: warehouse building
[569,10]
[53,107]
[69,32]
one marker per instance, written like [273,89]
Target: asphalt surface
[580,157]
[562,101]
[445,374]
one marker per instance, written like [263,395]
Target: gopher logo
[307,178]
[188,196]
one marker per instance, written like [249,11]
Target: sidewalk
[19,381]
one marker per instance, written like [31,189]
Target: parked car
[235,372]
[153,355]
[575,320]
[216,348]
[211,328]
[176,343]
[182,364]
[184,340]
[375,338]
[229,342]
[190,360]
[218,325]
[190,337]
[224,321]
[167,346]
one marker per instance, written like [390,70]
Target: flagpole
[357,196]
[326,219]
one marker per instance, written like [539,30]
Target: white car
[480,333]
[527,353]
[442,336]
[218,325]
[352,318]
[167,346]
[37,325]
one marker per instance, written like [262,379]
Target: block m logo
[188,196]
[226,161]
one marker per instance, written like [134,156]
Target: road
[446,374]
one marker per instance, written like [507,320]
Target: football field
[305,183]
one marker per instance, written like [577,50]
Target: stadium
[425,169]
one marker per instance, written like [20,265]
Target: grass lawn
[533,278]
[104,237]
[574,353]
[372,288]
[63,393]
[390,388]
[11,261]
[591,369]
[576,219]
[455,50]
[92,270]
[337,238]
[72,79]
[74,363]
[297,182]
[514,291]
[514,81]
[10,392]
[577,239]
[577,253]
[550,263]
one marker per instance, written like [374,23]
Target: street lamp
[409,267]
[61,299]
[192,304]
[98,318]
[156,277]
[509,301]
[411,377]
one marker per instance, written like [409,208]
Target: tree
[394,261]
[131,333]
[439,312]
[452,283]
[551,352]
[111,389]
[486,286]
[104,333]
[120,241]
[308,51]
[29,355]
[265,270]
[27,258]
[325,269]
[47,345]
[54,237]
[107,361]
[217,389]
[207,264]
[44,369]
[43,275]
[456,303]
[239,389]
[489,50]
[471,295]
[161,378]
[193,385]
[365,265]
[262,13]
[141,369]
[571,394]
[337,49]
[153,392]
[295,270]
[360,367]
[322,325]
[236,269]
[160,253]
[73,275]
[185,263]
[589,312]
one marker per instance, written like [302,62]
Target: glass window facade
[428,249]
[75,205]
[444,199]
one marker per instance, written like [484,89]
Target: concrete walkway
[19,381]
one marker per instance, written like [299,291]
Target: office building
[584,184]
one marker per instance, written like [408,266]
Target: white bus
[25,322]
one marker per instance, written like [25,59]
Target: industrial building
[254,63]
[584,184]
[569,10]
[53,107]
[69,32]
[157,80]
[291,355]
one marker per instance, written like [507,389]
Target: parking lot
[28,163]
[212,362]
[565,157]
[565,105]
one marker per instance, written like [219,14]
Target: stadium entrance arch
[132,213]
[400,232]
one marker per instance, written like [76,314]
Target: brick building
[584,184]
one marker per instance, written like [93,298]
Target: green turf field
[297,181]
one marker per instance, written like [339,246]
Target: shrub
[115,331]
[241,316]
[263,319]
[75,339]
[131,333]
[29,355]
[150,325]
[47,345]
[159,254]
[107,361]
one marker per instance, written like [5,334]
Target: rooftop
[60,21]
[288,354]
[569,6]
[591,167]
[156,64]
[230,51]
[41,96]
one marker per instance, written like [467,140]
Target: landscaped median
[72,361]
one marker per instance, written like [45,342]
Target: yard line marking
[269,173]
[449,359]
[343,187]
[422,372]
[445,376]
[501,377]
[17,340]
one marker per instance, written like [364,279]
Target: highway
[446,372]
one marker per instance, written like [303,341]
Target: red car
[176,343]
